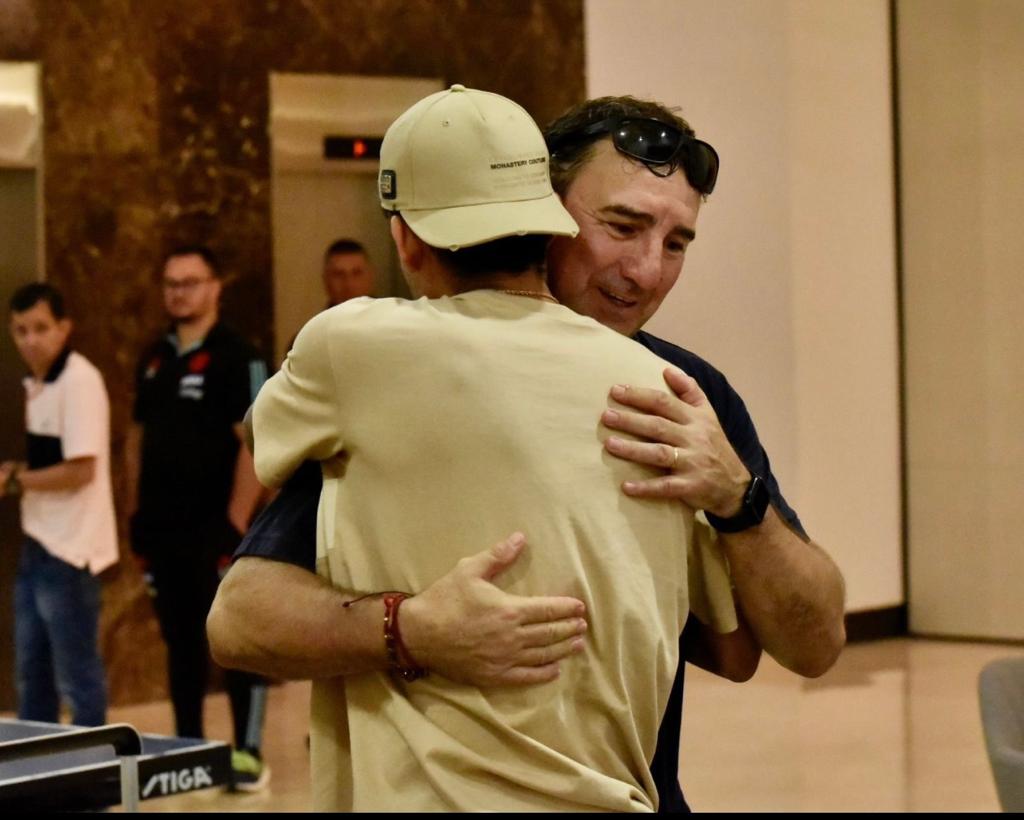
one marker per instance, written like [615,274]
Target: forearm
[791,594]
[733,655]
[283,621]
[789,590]
[245,490]
[306,633]
[67,475]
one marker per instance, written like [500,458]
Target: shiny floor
[893,727]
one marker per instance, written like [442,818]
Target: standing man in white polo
[67,515]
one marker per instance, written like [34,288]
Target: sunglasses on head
[663,148]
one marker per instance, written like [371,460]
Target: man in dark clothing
[196,489]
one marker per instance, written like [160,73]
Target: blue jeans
[56,621]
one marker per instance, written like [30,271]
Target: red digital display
[352,147]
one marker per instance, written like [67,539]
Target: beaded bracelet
[399,659]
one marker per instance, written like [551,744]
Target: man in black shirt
[196,488]
[633,175]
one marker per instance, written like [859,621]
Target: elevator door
[312,209]
[315,199]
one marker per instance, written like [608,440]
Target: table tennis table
[53,767]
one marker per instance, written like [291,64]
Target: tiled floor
[894,727]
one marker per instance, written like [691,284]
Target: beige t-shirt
[444,426]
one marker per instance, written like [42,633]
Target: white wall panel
[790,288]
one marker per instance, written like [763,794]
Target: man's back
[459,420]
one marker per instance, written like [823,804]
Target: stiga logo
[172,782]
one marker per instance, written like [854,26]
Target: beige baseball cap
[466,167]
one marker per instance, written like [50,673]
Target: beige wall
[962,147]
[791,286]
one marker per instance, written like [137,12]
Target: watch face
[755,505]
[757,500]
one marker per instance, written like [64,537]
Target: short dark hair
[202,251]
[28,296]
[510,254]
[340,246]
[571,157]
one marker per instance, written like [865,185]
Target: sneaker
[248,772]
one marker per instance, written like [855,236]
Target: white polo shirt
[67,416]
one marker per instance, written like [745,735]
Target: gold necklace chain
[533,294]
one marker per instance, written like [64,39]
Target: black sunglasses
[663,148]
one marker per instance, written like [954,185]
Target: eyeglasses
[663,148]
[185,284]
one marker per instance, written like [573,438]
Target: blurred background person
[348,272]
[195,490]
[67,516]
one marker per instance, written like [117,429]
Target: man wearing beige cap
[446,422]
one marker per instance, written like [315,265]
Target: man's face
[191,291]
[39,336]
[634,231]
[346,276]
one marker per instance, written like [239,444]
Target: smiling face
[634,231]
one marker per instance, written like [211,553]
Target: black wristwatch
[755,505]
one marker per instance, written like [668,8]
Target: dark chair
[1001,692]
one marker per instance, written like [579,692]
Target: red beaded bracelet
[399,659]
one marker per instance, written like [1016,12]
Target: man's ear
[411,249]
[65,326]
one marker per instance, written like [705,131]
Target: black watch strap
[755,505]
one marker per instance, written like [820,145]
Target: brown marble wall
[156,134]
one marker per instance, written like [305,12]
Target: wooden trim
[926,636]
[875,624]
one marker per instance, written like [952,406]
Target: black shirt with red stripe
[188,403]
